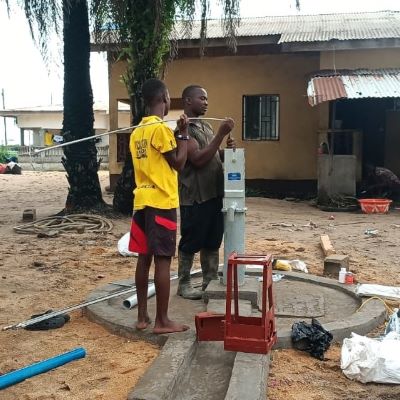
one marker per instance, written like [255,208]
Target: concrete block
[333,263]
[249,377]
[327,246]
[159,380]
[29,215]
[218,306]
[248,291]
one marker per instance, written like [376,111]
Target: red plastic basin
[374,206]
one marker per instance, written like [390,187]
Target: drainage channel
[209,374]
[189,370]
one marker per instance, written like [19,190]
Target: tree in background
[80,160]
[143,31]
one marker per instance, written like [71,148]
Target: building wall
[366,58]
[227,79]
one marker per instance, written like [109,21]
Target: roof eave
[335,44]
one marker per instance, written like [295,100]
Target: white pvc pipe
[131,302]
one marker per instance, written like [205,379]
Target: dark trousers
[202,226]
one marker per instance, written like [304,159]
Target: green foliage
[142,31]
[6,152]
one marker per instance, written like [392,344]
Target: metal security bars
[261,117]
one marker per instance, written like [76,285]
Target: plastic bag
[282,265]
[389,292]
[299,265]
[393,324]
[123,246]
[371,360]
[289,265]
[312,338]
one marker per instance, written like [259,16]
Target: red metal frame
[246,334]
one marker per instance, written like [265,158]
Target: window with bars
[261,117]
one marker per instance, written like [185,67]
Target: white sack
[371,360]
[378,290]
[123,245]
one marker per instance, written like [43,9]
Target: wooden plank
[327,246]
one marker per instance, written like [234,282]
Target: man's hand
[230,143]
[226,126]
[183,123]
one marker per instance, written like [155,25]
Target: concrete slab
[173,375]
[121,321]
[249,375]
[209,374]
[219,307]
[248,291]
[161,379]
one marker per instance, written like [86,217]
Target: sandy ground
[39,274]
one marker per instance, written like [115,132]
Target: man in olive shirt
[201,189]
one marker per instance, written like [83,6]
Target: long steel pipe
[37,151]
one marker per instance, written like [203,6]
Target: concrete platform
[189,370]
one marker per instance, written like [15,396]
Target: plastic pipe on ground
[131,302]
[20,375]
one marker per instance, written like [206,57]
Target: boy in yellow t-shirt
[157,155]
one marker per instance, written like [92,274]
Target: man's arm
[200,157]
[177,157]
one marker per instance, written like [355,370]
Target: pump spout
[231,212]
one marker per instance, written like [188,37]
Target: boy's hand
[226,126]
[183,123]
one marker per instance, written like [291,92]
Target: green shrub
[6,152]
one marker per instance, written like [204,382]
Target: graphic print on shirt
[141,148]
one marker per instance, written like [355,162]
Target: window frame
[277,118]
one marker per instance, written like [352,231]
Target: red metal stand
[245,334]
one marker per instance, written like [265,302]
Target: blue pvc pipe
[20,375]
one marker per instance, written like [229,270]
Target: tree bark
[80,160]
[123,194]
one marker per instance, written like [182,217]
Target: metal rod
[44,317]
[36,151]
[41,318]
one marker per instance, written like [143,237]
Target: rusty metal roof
[313,28]
[356,84]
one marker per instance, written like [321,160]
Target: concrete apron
[188,370]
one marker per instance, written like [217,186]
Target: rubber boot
[209,260]
[185,289]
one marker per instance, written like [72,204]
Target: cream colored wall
[117,91]
[367,58]
[227,79]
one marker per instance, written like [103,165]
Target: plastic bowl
[375,206]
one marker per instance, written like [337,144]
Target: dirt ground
[52,273]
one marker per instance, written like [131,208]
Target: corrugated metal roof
[313,28]
[57,108]
[357,84]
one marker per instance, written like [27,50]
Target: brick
[333,263]
[29,215]
[327,246]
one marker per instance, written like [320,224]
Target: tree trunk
[123,194]
[80,160]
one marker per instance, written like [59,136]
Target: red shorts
[153,231]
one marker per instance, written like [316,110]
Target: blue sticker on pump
[234,176]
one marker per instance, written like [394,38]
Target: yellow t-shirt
[156,180]
[48,139]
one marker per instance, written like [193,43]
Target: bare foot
[169,327]
[141,325]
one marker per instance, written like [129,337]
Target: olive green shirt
[197,185]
